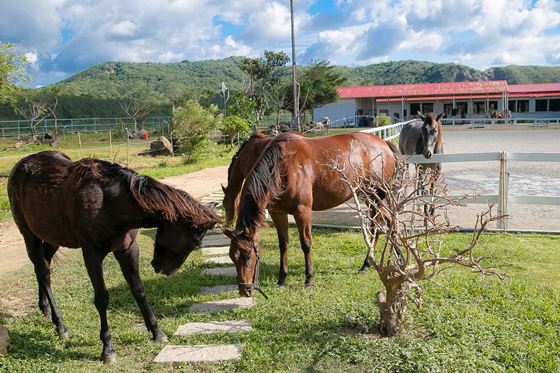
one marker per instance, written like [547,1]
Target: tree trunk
[392,310]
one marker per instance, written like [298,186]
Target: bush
[235,126]
[382,120]
[192,126]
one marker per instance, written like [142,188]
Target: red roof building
[456,99]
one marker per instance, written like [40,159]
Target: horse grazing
[295,175]
[425,137]
[99,206]
[241,163]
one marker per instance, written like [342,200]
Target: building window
[414,108]
[427,107]
[554,104]
[522,106]
[518,106]
[541,105]
[479,107]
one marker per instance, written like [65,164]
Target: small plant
[382,120]
[414,247]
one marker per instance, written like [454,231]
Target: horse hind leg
[41,253]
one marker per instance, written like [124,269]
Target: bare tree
[414,248]
[34,108]
[137,109]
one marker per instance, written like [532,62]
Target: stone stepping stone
[218,260]
[223,305]
[216,250]
[226,271]
[216,290]
[216,240]
[198,353]
[232,326]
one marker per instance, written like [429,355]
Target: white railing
[502,198]
[492,122]
[389,132]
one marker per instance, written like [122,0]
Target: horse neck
[261,186]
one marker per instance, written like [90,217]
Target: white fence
[502,199]
[493,122]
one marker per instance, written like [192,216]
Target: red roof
[425,89]
[534,90]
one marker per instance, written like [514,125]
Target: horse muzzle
[160,268]
[245,291]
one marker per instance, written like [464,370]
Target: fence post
[503,190]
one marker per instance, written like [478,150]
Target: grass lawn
[466,323]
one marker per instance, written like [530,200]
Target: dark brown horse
[241,163]
[294,176]
[99,207]
[424,136]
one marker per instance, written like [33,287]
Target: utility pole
[295,114]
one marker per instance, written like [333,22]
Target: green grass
[467,323]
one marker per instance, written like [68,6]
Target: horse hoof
[308,283]
[161,338]
[364,271]
[63,335]
[109,359]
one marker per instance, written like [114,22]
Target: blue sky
[62,37]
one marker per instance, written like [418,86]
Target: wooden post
[127,148]
[80,142]
[111,144]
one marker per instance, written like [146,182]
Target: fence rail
[18,128]
[503,199]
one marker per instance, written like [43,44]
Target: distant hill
[92,92]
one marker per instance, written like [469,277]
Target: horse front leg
[304,223]
[93,260]
[281,224]
[128,261]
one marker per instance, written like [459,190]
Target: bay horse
[424,136]
[295,175]
[241,163]
[99,206]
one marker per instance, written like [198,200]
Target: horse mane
[262,184]
[152,196]
[256,135]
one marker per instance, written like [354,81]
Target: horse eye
[246,256]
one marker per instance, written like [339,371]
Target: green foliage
[234,126]
[264,74]
[242,106]
[382,120]
[12,70]
[192,126]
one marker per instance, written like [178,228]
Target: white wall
[337,112]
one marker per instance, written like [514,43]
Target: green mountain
[93,92]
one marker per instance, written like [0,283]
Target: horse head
[176,240]
[244,253]
[430,132]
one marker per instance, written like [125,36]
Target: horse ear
[224,189]
[420,115]
[440,116]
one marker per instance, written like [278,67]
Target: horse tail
[262,185]
[396,152]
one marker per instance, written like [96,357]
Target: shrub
[192,126]
[382,120]
[235,126]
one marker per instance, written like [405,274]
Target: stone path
[215,249]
